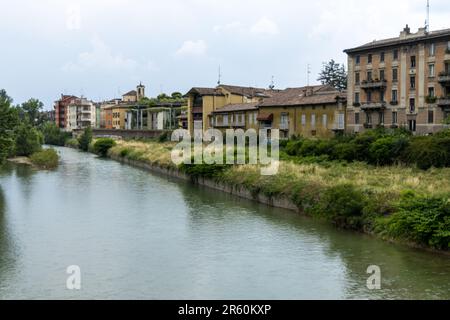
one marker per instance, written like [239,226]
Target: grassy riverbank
[394,202]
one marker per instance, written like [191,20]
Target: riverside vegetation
[382,189]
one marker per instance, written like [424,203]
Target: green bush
[387,150]
[343,205]
[45,159]
[164,137]
[28,140]
[292,148]
[102,146]
[203,170]
[347,151]
[427,152]
[424,220]
[54,135]
[85,139]
[72,143]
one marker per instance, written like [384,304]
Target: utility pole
[219,77]
[427,23]
[308,74]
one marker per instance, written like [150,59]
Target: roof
[405,38]
[206,91]
[312,95]
[238,107]
[246,91]
[131,93]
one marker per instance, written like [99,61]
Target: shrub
[85,139]
[347,151]
[343,205]
[28,140]
[72,143]
[45,159]
[292,148]
[387,150]
[203,170]
[427,152]
[53,135]
[164,137]
[102,146]
[308,148]
[425,220]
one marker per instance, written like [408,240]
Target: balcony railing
[284,126]
[197,110]
[374,84]
[373,106]
[444,77]
[444,102]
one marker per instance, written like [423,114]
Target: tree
[333,74]
[54,135]
[32,110]
[8,120]
[28,140]
[177,96]
[163,97]
[85,139]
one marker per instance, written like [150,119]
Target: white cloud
[73,17]
[192,48]
[265,26]
[102,58]
[233,26]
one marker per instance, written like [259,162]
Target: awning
[265,117]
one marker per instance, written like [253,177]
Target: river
[136,235]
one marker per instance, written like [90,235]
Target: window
[395,54]
[324,120]
[381,118]
[413,61]
[431,92]
[394,117]
[430,116]
[432,50]
[255,118]
[225,120]
[313,120]
[382,57]
[250,118]
[381,74]
[382,95]
[356,118]
[412,81]
[448,46]
[368,118]
[357,97]
[358,59]
[369,96]
[394,95]
[412,105]
[394,75]
[303,120]
[412,125]
[369,75]
[357,78]
[431,70]
[369,58]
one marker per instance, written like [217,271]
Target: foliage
[45,159]
[202,170]
[427,152]
[31,111]
[424,220]
[72,143]
[54,135]
[333,74]
[164,137]
[8,120]
[102,146]
[28,140]
[85,139]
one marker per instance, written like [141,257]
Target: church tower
[140,91]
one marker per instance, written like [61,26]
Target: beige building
[400,82]
[81,113]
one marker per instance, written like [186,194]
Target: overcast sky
[100,48]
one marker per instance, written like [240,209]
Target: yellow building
[236,116]
[314,111]
[118,116]
[202,102]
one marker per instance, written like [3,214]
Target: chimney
[406,32]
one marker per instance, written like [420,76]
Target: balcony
[444,102]
[373,106]
[284,126]
[374,84]
[444,78]
[368,126]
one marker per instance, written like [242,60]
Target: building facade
[81,114]
[400,82]
[61,110]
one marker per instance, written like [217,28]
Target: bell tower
[140,91]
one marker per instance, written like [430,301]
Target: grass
[353,195]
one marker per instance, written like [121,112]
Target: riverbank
[398,204]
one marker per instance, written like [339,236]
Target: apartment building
[203,102]
[81,114]
[400,82]
[61,110]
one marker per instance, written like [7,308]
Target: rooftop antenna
[272,84]
[308,74]
[427,23]
[219,77]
